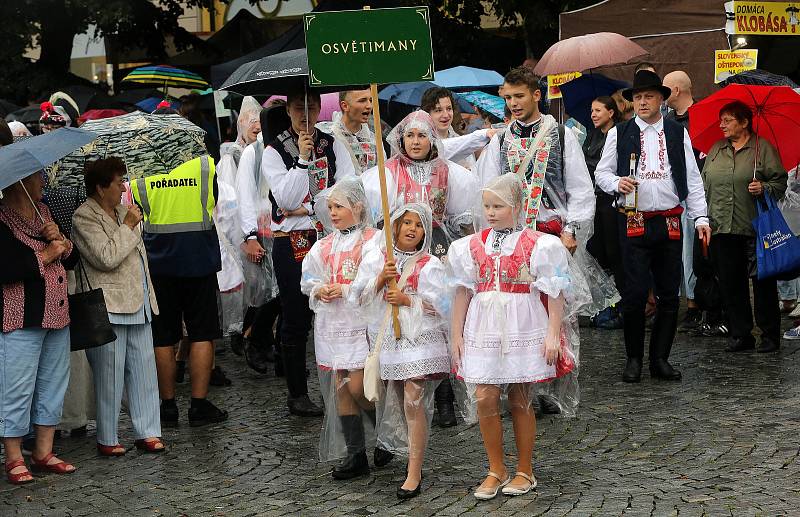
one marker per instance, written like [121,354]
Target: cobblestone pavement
[725,441]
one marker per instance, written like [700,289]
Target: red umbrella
[586,52]
[776,117]
[100,113]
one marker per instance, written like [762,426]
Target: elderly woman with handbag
[114,258]
[740,168]
[34,343]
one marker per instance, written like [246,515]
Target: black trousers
[262,320]
[295,316]
[734,256]
[651,256]
[604,244]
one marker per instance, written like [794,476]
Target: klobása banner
[765,18]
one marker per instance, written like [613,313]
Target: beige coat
[111,253]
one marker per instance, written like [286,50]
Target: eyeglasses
[727,120]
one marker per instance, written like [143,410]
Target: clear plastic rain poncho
[340,329]
[413,365]
[542,155]
[226,217]
[511,279]
[446,187]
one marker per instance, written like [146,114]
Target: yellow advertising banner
[767,18]
[731,62]
[556,80]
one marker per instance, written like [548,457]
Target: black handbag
[89,326]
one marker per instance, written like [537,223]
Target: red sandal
[16,479]
[56,468]
[150,446]
[110,450]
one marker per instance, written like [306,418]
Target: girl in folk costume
[414,364]
[418,172]
[516,294]
[340,337]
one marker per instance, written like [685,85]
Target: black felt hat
[646,80]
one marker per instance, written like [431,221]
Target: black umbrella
[759,78]
[7,107]
[275,75]
[29,115]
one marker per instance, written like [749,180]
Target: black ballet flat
[404,494]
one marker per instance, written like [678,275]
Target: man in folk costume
[559,190]
[353,131]
[298,164]
[648,161]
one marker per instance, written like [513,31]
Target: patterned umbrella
[485,101]
[759,77]
[149,144]
[165,75]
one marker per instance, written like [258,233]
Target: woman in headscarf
[413,365]
[417,172]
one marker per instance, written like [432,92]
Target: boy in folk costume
[414,364]
[352,128]
[298,164]
[418,172]
[516,295]
[340,338]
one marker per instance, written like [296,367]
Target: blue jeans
[789,290]
[34,372]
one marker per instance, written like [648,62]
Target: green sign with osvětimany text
[369,46]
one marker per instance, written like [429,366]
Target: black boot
[661,338]
[741,344]
[355,464]
[294,363]
[443,397]
[381,457]
[218,378]
[237,343]
[256,356]
[633,325]
[548,405]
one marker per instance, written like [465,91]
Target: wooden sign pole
[387,225]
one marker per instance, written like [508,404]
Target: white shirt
[290,187]
[577,181]
[460,149]
[657,190]
[246,189]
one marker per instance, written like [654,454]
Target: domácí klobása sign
[766,18]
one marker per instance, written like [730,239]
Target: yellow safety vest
[180,201]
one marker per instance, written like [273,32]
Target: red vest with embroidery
[515,275]
[345,262]
[435,195]
[412,282]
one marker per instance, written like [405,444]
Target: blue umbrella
[579,93]
[467,77]
[150,104]
[411,94]
[21,159]
[486,101]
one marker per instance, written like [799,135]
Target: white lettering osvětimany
[369,47]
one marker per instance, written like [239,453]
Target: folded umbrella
[21,159]
[467,77]
[579,93]
[776,117]
[581,53]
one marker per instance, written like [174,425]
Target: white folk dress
[510,277]
[340,330]
[421,352]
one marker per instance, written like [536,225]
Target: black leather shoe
[302,406]
[256,357]
[768,346]
[352,466]
[404,494]
[206,413]
[661,369]
[548,406]
[633,370]
[218,378]
[381,457]
[739,344]
[237,344]
[169,415]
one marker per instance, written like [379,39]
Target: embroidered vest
[434,194]
[345,262]
[412,282]
[515,276]
[628,142]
